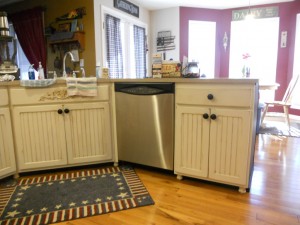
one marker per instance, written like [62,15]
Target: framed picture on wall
[64,27]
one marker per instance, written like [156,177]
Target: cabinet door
[229,146]
[88,132]
[40,136]
[191,141]
[7,156]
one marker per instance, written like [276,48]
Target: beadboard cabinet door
[52,136]
[215,133]
[229,145]
[213,149]
[7,156]
[40,137]
[88,132]
[191,141]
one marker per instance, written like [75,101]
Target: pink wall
[287,14]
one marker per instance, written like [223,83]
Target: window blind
[140,51]
[114,49]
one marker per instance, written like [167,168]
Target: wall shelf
[6,38]
[75,41]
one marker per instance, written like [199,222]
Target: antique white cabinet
[52,132]
[215,131]
[7,156]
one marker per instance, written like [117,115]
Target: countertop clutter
[46,131]
[142,80]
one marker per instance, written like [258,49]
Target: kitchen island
[215,122]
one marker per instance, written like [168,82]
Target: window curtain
[114,46]
[139,34]
[29,28]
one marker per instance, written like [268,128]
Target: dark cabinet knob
[205,116]
[210,96]
[213,116]
[59,111]
[66,110]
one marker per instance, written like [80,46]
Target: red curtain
[29,28]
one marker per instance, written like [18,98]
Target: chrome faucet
[64,62]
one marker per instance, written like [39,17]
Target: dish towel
[82,86]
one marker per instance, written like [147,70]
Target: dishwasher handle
[145,89]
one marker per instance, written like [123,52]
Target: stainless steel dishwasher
[145,123]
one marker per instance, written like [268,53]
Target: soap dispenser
[41,72]
[31,74]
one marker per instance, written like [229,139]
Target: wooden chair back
[289,91]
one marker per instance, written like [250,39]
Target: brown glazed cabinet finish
[274,197]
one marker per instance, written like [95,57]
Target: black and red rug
[72,195]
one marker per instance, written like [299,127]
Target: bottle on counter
[41,72]
[98,70]
[31,74]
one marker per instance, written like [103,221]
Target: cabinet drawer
[222,95]
[25,96]
[3,97]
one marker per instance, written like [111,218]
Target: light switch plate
[81,63]
[75,55]
[283,39]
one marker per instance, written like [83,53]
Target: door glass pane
[202,41]
[253,49]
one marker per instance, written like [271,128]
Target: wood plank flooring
[274,197]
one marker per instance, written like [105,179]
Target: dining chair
[285,102]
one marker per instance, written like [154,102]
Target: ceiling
[8,2]
[209,4]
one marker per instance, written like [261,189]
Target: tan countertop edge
[175,80]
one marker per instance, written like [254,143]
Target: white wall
[165,20]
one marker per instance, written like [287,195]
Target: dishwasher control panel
[145,88]
[142,90]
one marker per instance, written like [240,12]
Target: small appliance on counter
[191,71]
[7,65]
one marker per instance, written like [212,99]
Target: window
[202,41]
[253,49]
[20,58]
[114,50]
[124,45]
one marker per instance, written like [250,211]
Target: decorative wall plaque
[266,12]
[127,7]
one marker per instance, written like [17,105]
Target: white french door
[296,69]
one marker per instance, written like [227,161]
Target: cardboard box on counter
[171,69]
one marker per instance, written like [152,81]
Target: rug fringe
[67,175]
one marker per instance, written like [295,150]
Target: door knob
[205,116]
[210,96]
[59,111]
[67,111]
[213,116]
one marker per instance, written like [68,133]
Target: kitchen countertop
[144,80]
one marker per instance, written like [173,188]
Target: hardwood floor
[274,197]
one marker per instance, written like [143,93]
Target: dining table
[268,86]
